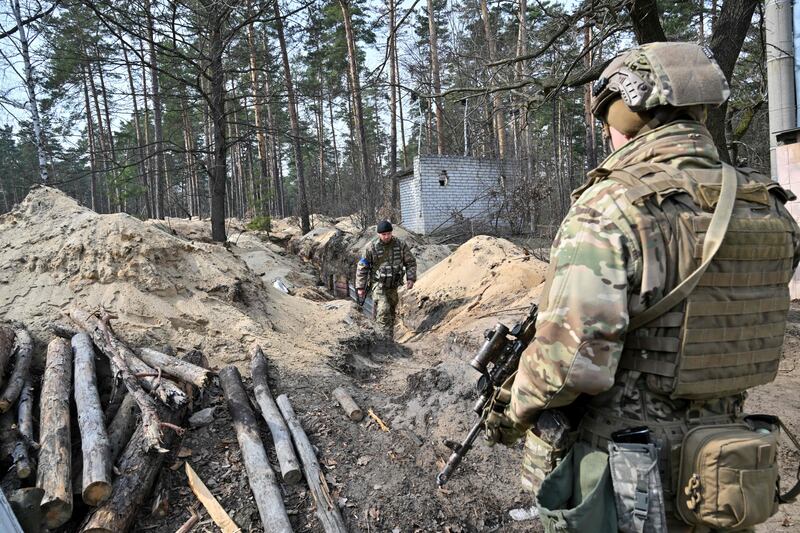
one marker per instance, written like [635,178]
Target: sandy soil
[169,285]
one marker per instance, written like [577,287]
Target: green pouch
[578,495]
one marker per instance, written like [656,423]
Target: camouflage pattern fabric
[385,304]
[597,280]
[638,493]
[395,253]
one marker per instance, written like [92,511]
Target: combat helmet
[653,75]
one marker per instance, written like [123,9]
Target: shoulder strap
[714,236]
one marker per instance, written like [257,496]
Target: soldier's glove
[500,427]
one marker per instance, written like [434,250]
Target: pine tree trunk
[393,105]
[257,105]
[219,169]
[497,99]
[437,84]
[30,87]
[305,224]
[92,150]
[358,113]
[139,150]
[157,119]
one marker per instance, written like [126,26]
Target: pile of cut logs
[122,440]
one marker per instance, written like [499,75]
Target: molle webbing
[726,336]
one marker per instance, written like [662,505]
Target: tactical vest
[726,335]
[389,263]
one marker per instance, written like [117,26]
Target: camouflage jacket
[596,281]
[376,254]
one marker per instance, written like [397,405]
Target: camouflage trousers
[385,305]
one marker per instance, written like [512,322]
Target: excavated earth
[170,285]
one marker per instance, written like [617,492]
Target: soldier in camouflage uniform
[636,233]
[383,263]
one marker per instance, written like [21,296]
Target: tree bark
[95,201]
[258,102]
[25,422]
[646,24]
[327,509]
[305,224]
[118,353]
[96,485]
[21,369]
[219,171]
[358,114]
[139,466]
[30,87]
[437,84]
[349,405]
[155,93]
[497,99]
[393,89]
[122,427]
[290,466]
[55,456]
[728,36]
[196,375]
[138,129]
[259,472]
[7,339]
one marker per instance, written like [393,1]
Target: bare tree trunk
[100,131]
[393,90]
[437,84]
[151,176]
[591,157]
[21,372]
[217,110]
[257,104]
[358,112]
[30,87]
[400,108]
[497,99]
[111,146]
[155,91]
[279,200]
[139,149]
[92,150]
[305,223]
[520,129]
[338,186]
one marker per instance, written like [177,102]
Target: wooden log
[281,438]
[327,509]
[259,471]
[172,366]
[21,369]
[7,339]
[122,427]
[13,445]
[60,329]
[115,350]
[55,456]
[152,381]
[23,431]
[96,472]
[139,466]
[215,510]
[350,407]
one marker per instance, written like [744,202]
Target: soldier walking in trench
[384,262]
[666,300]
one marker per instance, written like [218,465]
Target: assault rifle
[502,350]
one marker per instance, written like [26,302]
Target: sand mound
[164,288]
[486,279]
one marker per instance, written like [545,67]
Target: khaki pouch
[728,476]
[538,460]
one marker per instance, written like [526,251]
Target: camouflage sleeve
[363,268]
[410,263]
[584,311]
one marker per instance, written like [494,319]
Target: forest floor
[170,285]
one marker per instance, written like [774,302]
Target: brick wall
[788,166]
[471,189]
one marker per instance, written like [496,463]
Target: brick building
[444,190]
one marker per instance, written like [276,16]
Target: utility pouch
[728,477]
[577,495]
[538,460]
[638,493]
[386,276]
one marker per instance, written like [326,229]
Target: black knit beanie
[384,226]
